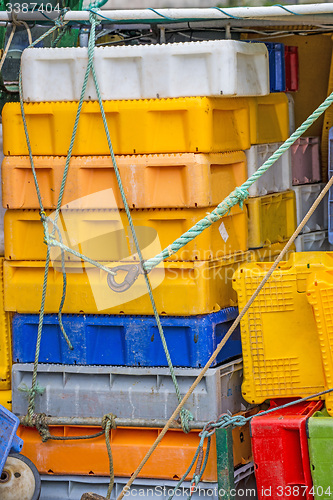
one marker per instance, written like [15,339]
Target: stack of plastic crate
[306,168]
[173,153]
[271,206]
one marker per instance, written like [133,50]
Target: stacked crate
[271,206]
[307,185]
[178,157]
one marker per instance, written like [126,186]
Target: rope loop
[186,417]
[241,194]
[109,421]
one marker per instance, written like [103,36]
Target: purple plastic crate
[305,161]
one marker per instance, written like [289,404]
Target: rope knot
[186,417]
[109,421]
[241,194]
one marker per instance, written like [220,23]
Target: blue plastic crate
[277,67]
[126,340]
[330,193]
[9,441]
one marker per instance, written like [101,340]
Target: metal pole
[169,15]
[121,422]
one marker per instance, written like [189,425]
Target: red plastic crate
[280,451]
[291,62]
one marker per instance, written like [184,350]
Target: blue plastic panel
[277,67]
[9,441]
[126,340]
[330,193]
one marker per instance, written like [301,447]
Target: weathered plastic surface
[180,288]
[9,441]
[316,241]
[275,179]
[280,451]
[207,68]
[105,235]
[291,60]
[126,340]
[92,391]
[271,218]
[6,399]
[73,487]
[319,294]
[305,197]
[320,437]
[305,160]
[129,446]
[281,351]
[180,125]
[149,181]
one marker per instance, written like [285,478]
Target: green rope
[238,195]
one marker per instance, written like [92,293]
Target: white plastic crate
[208,68]
[278,176]
[316,241]
[306,194]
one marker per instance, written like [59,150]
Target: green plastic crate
[320,437]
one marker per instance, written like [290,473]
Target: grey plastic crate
[73,487]
[316,241]
[128,392]
[306,194]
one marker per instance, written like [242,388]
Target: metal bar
[121,422]
[292,13]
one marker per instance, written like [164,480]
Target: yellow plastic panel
[5,343]
[269,118]
[269,253]
[271,218]
[6,399]
[150,181]
[320,296]
[180,288]
[281,352]
[182,125]
[105,235]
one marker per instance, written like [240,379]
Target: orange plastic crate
[150,181]
[129,445]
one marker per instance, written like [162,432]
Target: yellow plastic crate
[104,235]
[281,352]
[269,118]
[320,296]
[150,181]
[180,288]
[269,253]
[271,218]
[182,125]
[5,343]
[6,399]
